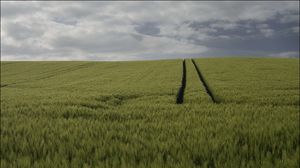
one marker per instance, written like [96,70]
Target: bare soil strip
[207,88]
[180,94]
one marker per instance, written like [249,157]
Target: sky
[117,31]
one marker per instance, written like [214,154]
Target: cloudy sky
[147,30]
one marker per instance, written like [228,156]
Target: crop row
[113,114]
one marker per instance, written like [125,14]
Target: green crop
[124,114]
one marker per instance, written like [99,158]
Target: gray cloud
[65,21]
[11,9]
[97,43]
[147,30]
[19,31]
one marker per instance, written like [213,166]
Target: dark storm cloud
[147,30]
[244,29]
[266,45]
[250,37]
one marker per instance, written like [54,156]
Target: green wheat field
[124,114]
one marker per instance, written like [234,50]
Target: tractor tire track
[180,95]
[209,91]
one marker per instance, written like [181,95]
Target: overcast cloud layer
[147,30]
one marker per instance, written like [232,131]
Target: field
[124,114]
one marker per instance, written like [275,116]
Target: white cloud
[267,32]
[295,29]
[288,54]
[225,26]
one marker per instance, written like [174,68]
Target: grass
[124,114]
